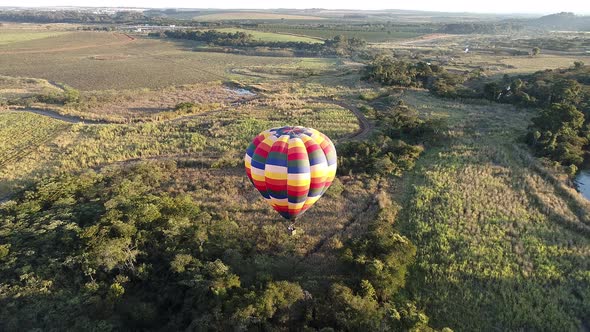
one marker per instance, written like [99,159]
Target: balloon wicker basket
[292,230]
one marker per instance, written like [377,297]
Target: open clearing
[525,64]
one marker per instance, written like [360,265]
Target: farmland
[16,36]
[101,61]
[124,204]
[269,36]
[323,33]
[253,16]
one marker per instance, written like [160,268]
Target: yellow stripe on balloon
[279,202]
[311,200]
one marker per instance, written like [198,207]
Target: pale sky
[476,6]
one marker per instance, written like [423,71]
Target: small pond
[583,182]
[241,92]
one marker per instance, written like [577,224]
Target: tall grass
[499,244]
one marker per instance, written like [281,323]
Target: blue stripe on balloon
[272,160]
[282,194]
[285,215]
[257,164]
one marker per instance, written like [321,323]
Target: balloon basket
[292,230]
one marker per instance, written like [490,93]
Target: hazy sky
[493,6]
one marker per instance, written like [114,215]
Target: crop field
[64,42]
[8,37]
[274,37]
[252,16]
[100,61]
[492,233]
[370,36]
[513,64]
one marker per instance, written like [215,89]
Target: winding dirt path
[365,126]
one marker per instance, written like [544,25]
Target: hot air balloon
[292,167]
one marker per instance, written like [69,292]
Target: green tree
[561,138]
[71,95]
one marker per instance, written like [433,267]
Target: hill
[563,21]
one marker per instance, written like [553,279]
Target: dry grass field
[19,87]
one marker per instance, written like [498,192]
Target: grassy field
[219,133]
[23,134]
[211,146]
[18,87]
[500,244]
[273,37]
[523,64]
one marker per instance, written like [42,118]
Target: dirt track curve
[57,116]
[365,126]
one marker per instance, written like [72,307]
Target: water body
[241,92]
[583,182]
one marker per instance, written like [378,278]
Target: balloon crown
[291,131]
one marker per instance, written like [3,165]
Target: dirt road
[365,126]
[57,116]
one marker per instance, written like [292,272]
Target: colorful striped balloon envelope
[292,167]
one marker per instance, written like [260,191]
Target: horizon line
[311,8]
